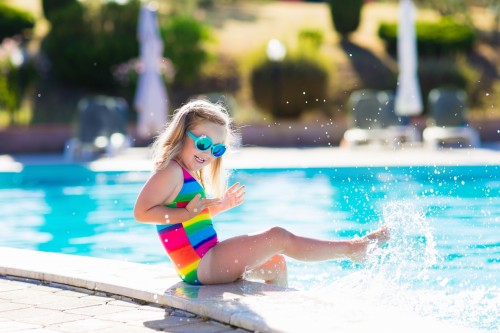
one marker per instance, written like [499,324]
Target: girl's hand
[234,196]
[197,205]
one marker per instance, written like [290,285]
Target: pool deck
[50,292]
[259,157]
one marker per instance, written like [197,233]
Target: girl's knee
[279,233]
[279,262]
[280,237]
[278,267]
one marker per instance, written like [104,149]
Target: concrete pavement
[30,306]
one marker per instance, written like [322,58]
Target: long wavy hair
[170,141]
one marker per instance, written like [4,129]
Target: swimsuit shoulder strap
[185,173]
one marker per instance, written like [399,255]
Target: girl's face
[194,159]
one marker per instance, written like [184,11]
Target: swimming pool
[443,259]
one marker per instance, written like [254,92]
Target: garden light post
[276,52]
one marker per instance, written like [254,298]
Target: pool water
[443,259]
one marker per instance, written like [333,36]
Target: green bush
[14,21]
[15,77]
[183,38]
[311,39]
[51,7]
[441,38]
[346,15]
[83,48]
[287,88]
[434,73]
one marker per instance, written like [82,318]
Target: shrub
[434,73]
[345,15]
[287,88]
[15,76]
[14,21]
[441,38]
[51,7]
[183,43]
[83,48]
[310,39]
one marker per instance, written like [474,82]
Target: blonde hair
[169,143]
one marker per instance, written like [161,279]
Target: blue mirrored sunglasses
[203,143]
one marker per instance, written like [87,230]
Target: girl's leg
[273,271]
[231,258]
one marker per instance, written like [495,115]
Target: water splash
[411,251]
[403,274]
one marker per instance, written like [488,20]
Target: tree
[346,15]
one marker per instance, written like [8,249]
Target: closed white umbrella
[151,96]
[408,97]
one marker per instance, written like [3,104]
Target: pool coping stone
[246,304]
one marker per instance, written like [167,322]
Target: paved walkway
[30,306]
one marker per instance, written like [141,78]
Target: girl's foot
[360,246]
[380,236]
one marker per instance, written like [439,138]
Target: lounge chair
[396,128]
[448,126]
[101,128]
[375,122]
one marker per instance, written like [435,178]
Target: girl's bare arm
[162,187]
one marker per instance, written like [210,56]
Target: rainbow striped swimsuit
[187,242]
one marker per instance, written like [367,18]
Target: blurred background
[280,66]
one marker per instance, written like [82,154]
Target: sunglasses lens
[218,150]
[203,143]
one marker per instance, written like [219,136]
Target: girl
[187,160]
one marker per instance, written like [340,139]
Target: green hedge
[287,88]
[441,38]
[14,21]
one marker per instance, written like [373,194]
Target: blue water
[443,258]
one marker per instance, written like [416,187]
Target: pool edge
[249,305]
